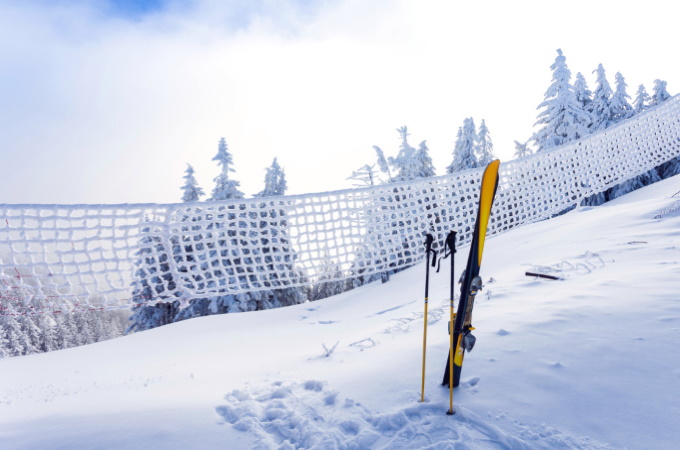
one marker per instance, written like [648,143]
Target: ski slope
[589,361]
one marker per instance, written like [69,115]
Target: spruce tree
[30,335]
[383,164]
[522,149]
[404,163]
[603,114]
[642,99]
[225,188]
[563,118]
[621,108]
[423,162]
[464,148]
[10,330]
[192,192]
[484,146]
[274,181]
[583,94]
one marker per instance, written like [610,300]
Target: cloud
[103,105]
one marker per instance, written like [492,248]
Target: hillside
[585,362]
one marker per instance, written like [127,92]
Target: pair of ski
[460,338]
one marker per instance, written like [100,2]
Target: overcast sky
[106,101]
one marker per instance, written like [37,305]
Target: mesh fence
[68,256]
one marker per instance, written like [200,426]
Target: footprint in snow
[309,415]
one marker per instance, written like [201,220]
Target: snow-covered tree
[423,162]
[522,149]
[66,331]
[642,99]
[225,188]
[274,181]
[331,282]
[10,330]
[484,145]
[583,94]
[383,165]
[404,163]
[620,107]
[660,94]
[85,329]
[464,148]
[603,114]
[563,118]
[192,191]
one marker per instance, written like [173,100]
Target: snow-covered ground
[590,361]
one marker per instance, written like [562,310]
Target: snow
[589,361]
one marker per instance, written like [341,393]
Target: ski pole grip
[429,239]
[451,241]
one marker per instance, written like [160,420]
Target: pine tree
[603,114]
[16,341]
[192,192]
[4,342]
[583,94]
[660,94]
[404,163]
[382,163]
[464,148]
[225,188]
[331,282]
[11,336]
[274,181]
[85,329]
[522,150]
[563,119]
[423,162]
[642,99]
[484,146]
[30,334]
[65,331]
[620,107]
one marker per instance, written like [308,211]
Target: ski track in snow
[291,415]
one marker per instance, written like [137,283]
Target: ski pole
[451,244]
[428,250]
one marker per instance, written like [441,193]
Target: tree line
[568,112]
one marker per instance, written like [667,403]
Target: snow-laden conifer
[642,99]
[14,340]
[404,163]
[620,107]
[192,191]
[583,94]
[383,165]
[563,118]
[484,145]
[225,188]
[423,162]
[660,94]
[603,115]
[522,149]
[274,181]
[464,148]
